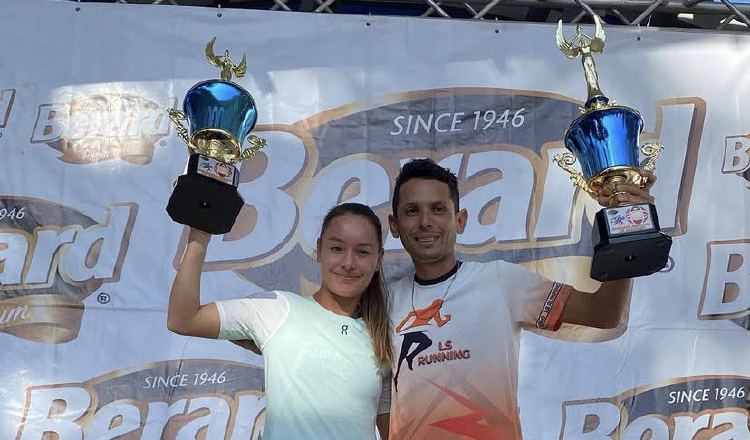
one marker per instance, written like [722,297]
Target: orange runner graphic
[424,315]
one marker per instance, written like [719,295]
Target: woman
[327,358]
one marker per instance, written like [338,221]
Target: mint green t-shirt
[322,380]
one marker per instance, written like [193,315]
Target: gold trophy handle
[177,116]
[651,150]
[565,161]
[256,144]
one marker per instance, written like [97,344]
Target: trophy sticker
[221,115]
[627,219]
[216,169]
[603,140]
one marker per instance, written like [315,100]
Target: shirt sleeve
[384,404]
[255,317]
[533,299]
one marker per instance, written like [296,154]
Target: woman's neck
[339,305]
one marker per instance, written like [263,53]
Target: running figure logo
[418,317]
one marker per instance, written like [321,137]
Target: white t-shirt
[456,345]
[322,379]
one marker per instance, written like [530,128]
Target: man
[457,324]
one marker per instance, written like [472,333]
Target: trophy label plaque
[629,219]
[216,169]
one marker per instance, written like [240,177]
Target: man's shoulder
[482,271]
[472,268]
[501,266]
[468,268]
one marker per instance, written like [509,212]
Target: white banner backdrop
[87,251]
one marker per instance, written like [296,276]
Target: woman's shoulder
[295,300]
[289,296]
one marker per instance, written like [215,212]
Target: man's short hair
[425,169]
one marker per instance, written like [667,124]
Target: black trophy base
[204,203]
[628,250]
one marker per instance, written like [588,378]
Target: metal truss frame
[688,14]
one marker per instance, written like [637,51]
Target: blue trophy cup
[627,239]
[220,115]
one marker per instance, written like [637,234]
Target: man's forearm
[603,309]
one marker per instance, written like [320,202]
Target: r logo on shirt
[419,339]
[344,328]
